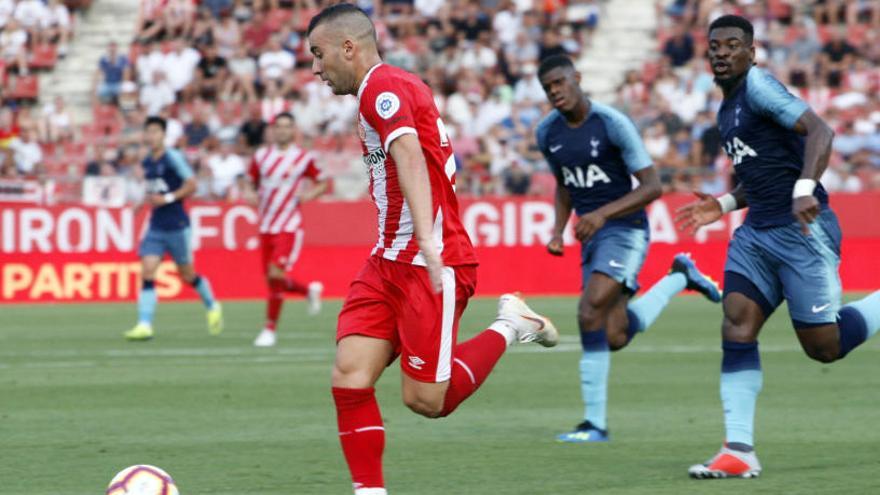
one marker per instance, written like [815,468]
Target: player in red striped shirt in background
[278,172]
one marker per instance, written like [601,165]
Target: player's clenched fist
[556,246]
[587,225]
[694,215]
[805,210]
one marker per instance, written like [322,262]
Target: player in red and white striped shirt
[409,296]
[278,171]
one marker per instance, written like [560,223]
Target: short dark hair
[734,21]
[334,12]
[155,120]
[284,115]
[553,62]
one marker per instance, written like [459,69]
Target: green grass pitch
[77,404]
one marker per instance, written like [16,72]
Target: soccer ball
[142,480]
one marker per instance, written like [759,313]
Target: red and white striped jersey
[393,103]
[277,174]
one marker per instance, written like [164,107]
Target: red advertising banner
[76,253]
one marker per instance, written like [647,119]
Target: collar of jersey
[366,77]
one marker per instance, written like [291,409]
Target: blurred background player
[593,151]
[169,180]
[406,300]
[787,249]
[278,171]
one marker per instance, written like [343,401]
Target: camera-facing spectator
[112,71]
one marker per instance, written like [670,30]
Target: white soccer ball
[142,479]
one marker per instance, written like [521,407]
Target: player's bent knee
[351,376]
[590,318]
[617,340]
[738,331]
[822,354]
[429,407]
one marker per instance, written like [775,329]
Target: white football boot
[528,325]
[267,338]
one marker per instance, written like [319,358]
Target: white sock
[506,331]
[370,491]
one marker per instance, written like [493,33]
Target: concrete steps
[72,78]
[624,40]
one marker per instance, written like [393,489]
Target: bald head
[346,21]
[343,41]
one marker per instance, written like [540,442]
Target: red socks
[471,364]
[361,431]
[362,434]
[277,288]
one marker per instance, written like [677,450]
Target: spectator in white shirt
[225,166]
[27,153]
[32,14]
[173,129]
[57,26]
[528,88]
[180,64]
[13,41]
[273,102]
[243,73]
[506,23]
[428,8]
[157,95]
[150,61]
[57,123]
[479,56]
[7,7]
[275,63]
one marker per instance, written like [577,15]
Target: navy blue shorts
[174,242]
[616,251]
[784,264]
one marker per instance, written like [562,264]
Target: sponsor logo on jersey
[387,104]
[594,143]
[577,177]
[737,150]
[375,162]
[157,186]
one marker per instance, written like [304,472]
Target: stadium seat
[278,18]
[43,56]
[25,88]
[106,115]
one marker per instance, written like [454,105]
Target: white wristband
[727,202]
[803,187]
[169,198]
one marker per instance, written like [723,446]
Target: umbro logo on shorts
[416,362]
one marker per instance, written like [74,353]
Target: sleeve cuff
[396,133]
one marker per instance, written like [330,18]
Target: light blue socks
[203,287]
[147,302]
[594,366]
[741,382]
[647,308]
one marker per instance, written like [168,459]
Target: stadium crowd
[219,70]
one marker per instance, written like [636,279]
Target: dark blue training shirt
[165,175]
[595,159]
[756,124]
